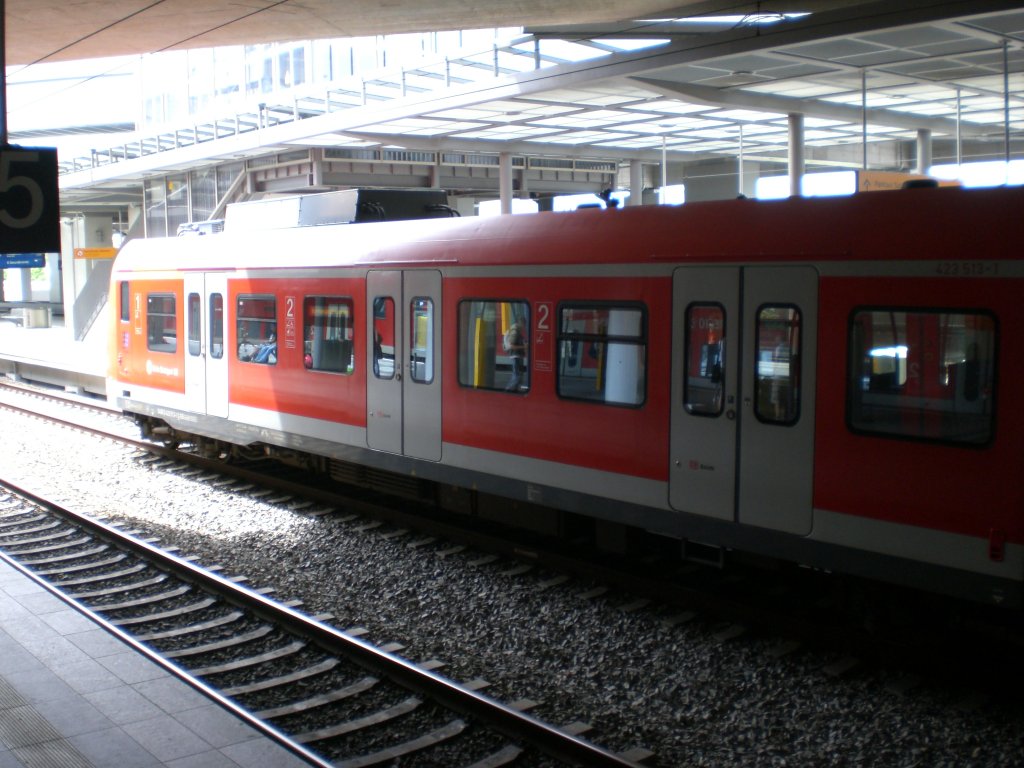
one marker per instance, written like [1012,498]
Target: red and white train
[830,382]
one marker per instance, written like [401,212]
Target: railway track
[326,695]
[886,626]
[291,675]
[734,607]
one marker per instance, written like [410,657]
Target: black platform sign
[29,201]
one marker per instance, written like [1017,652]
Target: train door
[742,424]
[206,382]
[403,392]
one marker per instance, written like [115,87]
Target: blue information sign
[22,260]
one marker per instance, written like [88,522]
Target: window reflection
[777,378]
[923,374]
[704,359]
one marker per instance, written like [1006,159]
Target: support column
[505,181]
[524,184]
[796,153]
[741,187]
[664,171]
[924,150]
[636,183]
[316,155]
[26,284]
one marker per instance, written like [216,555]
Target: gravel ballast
[637,679]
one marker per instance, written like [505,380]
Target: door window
[777,369]
[704,359]
[421,332]
[195,325]
[216,325]
[161,322]
[126,303]
[384,337]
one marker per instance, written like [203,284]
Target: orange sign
[95,253]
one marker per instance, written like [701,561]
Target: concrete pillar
[505,181]
[53,264]
[26,284]
[924,150]
[636,183]
[796,153]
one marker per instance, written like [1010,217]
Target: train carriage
[828,382]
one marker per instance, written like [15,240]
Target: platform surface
[74,696]
[55,346]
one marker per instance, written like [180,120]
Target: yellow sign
[95,253]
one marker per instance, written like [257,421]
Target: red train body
[830,382]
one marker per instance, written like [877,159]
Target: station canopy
[697,80]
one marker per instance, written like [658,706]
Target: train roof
[940,223]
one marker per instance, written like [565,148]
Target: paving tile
[51,754]
[96,643]
[74,716]
[68,621]
[211,759]
[54,650]
[25,627]
[42,603]
[88,676]
[14,658]
[166,738]
[113,748]
[39,685]
[216,725]
[171,695]
[260,753]
[123,705]
[73,695]
[132,667]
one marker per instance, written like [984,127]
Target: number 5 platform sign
[29,202]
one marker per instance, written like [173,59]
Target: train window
[257,329]
[494,350]
[703,359]
[777,367]
[602,353]
[216,326]
[195,325]
[126,301]
[922,374]
[161,322]
[384,337]
[421,332]
[328,331]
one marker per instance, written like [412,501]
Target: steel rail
[513,723]
[211,693]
